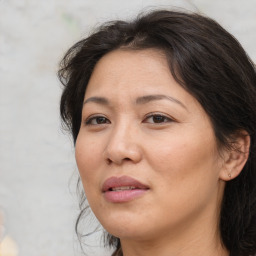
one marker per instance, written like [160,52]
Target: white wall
[36,158]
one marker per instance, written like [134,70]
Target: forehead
[130,70]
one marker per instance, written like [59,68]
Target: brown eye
[157,119]
[97,120]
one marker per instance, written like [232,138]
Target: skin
[167,144]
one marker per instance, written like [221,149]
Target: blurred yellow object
[8,247]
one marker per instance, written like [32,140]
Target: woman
[162,110]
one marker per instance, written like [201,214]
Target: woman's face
[146,150]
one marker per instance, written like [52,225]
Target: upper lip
[123,181]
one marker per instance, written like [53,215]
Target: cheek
[182,153]
[186,163]
[87,158]
[185,179]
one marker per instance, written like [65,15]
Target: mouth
[123,189]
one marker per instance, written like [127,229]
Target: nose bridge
[123,143]
[122,129]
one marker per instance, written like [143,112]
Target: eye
[157,119]
[97,120]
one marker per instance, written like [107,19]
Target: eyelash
[90,120]
[164,119]
[157,115]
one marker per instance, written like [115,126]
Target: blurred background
[38,203]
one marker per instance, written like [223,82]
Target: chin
[128,232]
[123,226]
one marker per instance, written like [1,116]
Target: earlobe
[236,157]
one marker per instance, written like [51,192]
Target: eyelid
[89,119]
[152,114]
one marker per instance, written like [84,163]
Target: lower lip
[124,195]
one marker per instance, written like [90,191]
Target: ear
[236,157]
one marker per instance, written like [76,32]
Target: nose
[123,146]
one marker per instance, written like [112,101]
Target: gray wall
[37,168]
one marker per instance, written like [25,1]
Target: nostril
[109,161]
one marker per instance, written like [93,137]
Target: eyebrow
[148,98]
[140,100]
[99,100]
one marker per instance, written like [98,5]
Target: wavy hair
[211,65]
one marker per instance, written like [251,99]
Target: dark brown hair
[213,67]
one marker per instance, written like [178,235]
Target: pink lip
[122,195]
